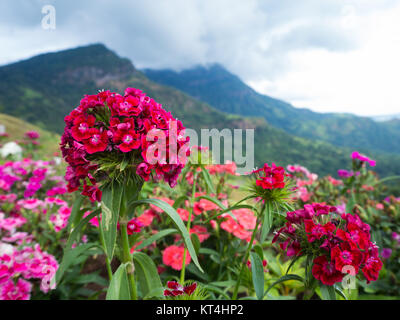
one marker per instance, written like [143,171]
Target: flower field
[121,219]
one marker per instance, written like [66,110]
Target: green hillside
[16,129]
[43,89]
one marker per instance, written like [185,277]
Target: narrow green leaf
[178,222]
[257,248]
[207,179]
[241,206]
[283,279]
[147,275]
[70,257]
[267,222]
[327,292]
[75,216]
[110,205]
[71,239]
[196,242]
[341,293]
[219,204]
[119,285]
[179,201]
[257,272]
[156,237]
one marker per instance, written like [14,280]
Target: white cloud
[331,55]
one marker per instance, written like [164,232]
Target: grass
[16,128]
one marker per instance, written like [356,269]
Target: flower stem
[127,258]
[249,247]
[182,279]
[108,262]
[246,257]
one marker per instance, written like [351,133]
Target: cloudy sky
[326,55]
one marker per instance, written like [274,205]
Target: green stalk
[188,228]
[127,258]
[108,263]
[246,257]
[249,247]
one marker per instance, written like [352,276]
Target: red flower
[97,142]
[201,232]
[134,226]
[92,192]
[81,129]
[173,257]
[129,140]
[176,289]
[325,271]
[317,231]
[343,255]
[371,268]
[270,177]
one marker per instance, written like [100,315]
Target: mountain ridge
[226,92]
[43,89]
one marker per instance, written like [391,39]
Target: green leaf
[257,272]
[179,201]
[119,285]
[341,293]
[225,209]
[147,275]
[71,239]
[155,237]
[327,292]
[267,222]
[242,206]
[196,242]
[257,248]
[292,263]
[283,279]
[76,213]
[351,203]
[207,179]
[70,257]
[110,205]
[178,222]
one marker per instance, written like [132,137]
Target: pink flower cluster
[229,167]
[303,178]
[119,124]
[339,244]
[362,158]
[17,266]
[243,227]
[32,176]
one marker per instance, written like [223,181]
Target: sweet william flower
[106,137]
[173,257]
[175,289]
[97,142]
[325,271]
[82,125]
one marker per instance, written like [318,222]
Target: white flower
[57,161]
[6,248]
[11,148]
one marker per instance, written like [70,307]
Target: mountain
[43,89]
[226,92]
[387,117]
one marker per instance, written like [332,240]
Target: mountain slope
[43,89]
[16,129]
[226,92]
